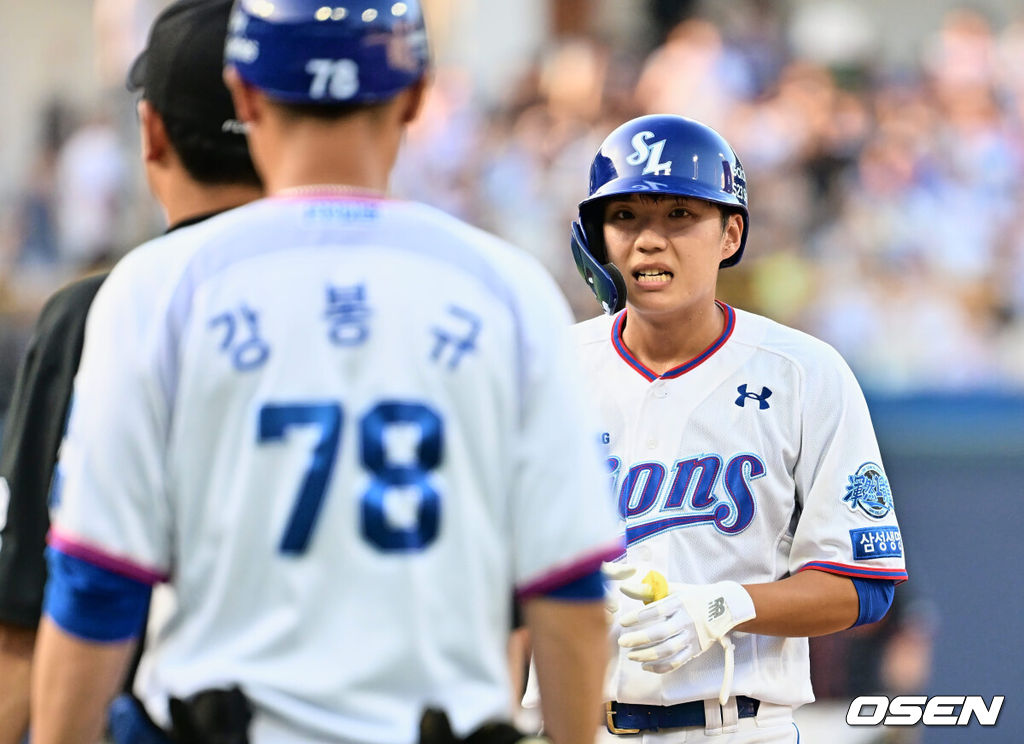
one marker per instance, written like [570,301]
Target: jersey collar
[682,369]
[192,220]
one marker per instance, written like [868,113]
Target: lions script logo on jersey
[687,494]
[642,151]
[869,489]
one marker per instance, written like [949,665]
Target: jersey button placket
[658,390]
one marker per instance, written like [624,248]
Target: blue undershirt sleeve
[586,588]
[875,599]
[93,603]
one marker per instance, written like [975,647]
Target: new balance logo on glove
[716,608]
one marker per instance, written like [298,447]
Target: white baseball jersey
[753,461]
[329,423]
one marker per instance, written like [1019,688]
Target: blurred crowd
[883,197]
[884,202]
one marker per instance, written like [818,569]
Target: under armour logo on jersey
[761,398]
[716,608]
[650,153]
[461,341]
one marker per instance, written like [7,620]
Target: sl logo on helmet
[650,153]
[868,488]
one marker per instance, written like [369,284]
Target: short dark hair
[726,211]
[180,74]
[327,111]
[220,161]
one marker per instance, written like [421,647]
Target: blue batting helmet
[656,155]
[308,51]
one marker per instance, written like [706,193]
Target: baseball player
[197,163]
[328,427]
[742,455]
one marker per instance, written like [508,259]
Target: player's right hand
[661,635]
[665,634]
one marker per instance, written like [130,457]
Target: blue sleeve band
[875,599]
[92,603]
[585,588]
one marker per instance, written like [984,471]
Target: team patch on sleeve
[876,542]
[868,489]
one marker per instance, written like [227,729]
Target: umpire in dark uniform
[197,164]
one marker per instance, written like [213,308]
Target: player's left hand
[614,573]
[669,632]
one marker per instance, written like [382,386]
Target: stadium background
[884,147]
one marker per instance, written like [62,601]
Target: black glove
[211,717]
[435,729]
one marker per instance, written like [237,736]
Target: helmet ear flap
[604,280]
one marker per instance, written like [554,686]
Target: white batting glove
[667,633]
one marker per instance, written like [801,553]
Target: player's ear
[415,94]
[243,95]
[732,235]
[152,132]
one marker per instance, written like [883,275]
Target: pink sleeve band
[76,549]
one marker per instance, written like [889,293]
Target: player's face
[668,249]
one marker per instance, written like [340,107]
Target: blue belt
[627,718]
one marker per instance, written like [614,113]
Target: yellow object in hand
[658,586]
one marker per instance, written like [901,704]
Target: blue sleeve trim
[875,599]
[584,588]
[93,603]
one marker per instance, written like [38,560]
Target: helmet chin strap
[604,279]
